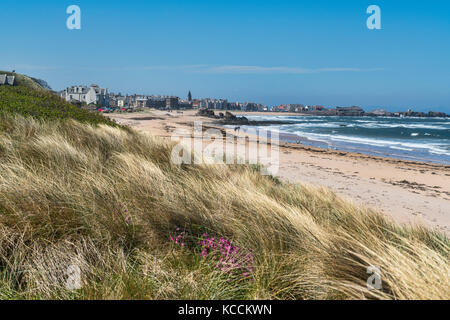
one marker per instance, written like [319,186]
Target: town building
[156,102]
[121,102]
[112,100]
[196,103]
[97,96]
[140,103]
[349,111]
[184,104]
[281,108]
[75,94]
[171,103]
[379,113]
[88,95]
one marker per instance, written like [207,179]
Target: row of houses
[100,98]
[320,110]
[172,102]
[140,101]
[223,104]
[297,108]
[350,111]
[7,80]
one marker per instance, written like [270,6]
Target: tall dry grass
[107,200]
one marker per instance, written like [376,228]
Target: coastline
[377,136]
[360,150]
[410,192]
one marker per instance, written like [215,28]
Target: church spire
[189,97]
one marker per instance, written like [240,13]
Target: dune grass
[109,201]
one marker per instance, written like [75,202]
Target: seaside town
[96,98]
[214,159]
[100,99]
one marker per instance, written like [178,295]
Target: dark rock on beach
[230,119]
[206,113]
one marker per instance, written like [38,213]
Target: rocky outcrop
[233,120]
[227,118]
[206,113]
[230,119]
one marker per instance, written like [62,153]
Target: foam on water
[425,139]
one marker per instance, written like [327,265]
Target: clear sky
[273,52]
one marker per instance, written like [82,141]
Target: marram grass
[108,200]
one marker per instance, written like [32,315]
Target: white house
[75,94]
[92,95]
[121,102]
[97,96]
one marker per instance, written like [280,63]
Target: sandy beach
[409,192]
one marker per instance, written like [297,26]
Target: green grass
[42,104]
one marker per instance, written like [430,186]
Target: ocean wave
[378,125]
[401,148]
[364,125]
[416,137]
[435,148]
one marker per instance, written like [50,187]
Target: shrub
[44,105]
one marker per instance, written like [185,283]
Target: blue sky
[311,52]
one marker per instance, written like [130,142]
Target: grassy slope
[28,98]
[108,200]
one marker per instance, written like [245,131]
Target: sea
[417,139]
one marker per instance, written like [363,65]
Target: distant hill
[32,97]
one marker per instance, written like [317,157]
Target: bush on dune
[109,200]
[43,104]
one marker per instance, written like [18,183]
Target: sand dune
[409,192]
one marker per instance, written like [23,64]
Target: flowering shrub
[178,239]
[230,258]
[227,257]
